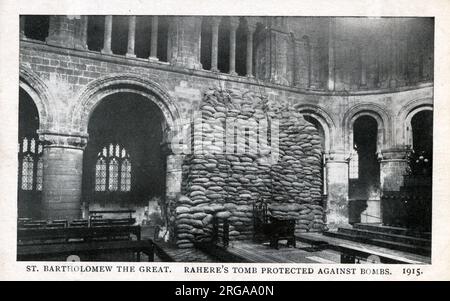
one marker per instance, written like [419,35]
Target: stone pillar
[337,185]
[184,41]
[393,164]
[61,31]
[131,36]
[331,58]
[308,58]
[81,41]
[313,66]
[173,175]
[363,65]
[234,23]
[62,176]
[154,39]
[22,27]
[215,21]
[249,59]
[107,36]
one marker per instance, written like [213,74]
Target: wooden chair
[267,227]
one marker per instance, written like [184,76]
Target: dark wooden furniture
[112,222]
[85,250]
[78,233]
[267,227]
[96,213]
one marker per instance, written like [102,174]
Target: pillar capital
[215,21]
[234,23]
[251,25]
[337,157]
[393,154]
[57,140]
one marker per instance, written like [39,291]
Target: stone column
[107,36]
[22,27]
[393,164]
[331,47]
[81,38]
[308,58]
[234,23]
[337,185]
[215,21]
[154,40]
[249,59]
[363,65]
[61,31]
[131,36]
[314,76]
[184,41]
[62,176]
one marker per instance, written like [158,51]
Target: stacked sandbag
[225,176]
[297,174]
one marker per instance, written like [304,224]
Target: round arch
[406,114]
[39,93]
[378,113]
[98,89]
[324,119]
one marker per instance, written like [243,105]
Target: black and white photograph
[147,139]
[225,138]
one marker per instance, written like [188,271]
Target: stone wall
[56,77]
[246,149]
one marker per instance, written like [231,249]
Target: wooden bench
[356,252]
[77,233]
[95,213]
[112,222]
[88,249]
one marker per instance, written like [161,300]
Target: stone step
[416,241]
[392,230]
[382,243]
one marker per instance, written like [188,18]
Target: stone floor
[302,253]
[262,253]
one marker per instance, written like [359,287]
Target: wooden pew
[89,249]
[77,233]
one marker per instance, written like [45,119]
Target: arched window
[30,164]
[113,169]
[354,165]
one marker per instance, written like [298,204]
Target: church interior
[225,139]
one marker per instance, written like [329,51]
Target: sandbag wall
[224,178]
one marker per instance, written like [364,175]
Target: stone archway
[104,88]
[384,123]
[39,93]
[96,90]
[34,94]
[367,207]
[408,128]
[325,120]
[404,116]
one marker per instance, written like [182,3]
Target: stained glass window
[113,174]
[39,174]
[27,172]
[113,169]
[125,183]
[30,164]
[100,175]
